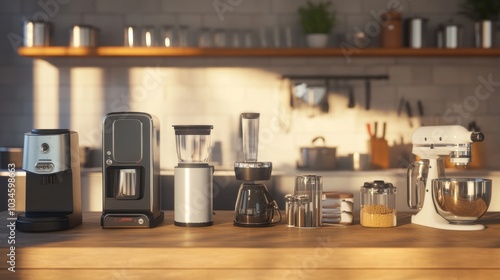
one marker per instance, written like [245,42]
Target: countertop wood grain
[224,251]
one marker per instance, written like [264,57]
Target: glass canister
[378,204]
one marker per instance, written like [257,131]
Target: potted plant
[317,22]
[482,12]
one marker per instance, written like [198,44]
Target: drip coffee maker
[254,205]
[131,171]
[193,176]
[445,203]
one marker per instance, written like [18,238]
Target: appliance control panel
[44,167]
[125,221]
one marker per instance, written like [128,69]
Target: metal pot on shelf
[318,157]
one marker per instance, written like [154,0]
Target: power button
[44,147]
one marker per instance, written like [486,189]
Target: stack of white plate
[337,208]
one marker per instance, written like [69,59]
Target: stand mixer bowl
[461,200]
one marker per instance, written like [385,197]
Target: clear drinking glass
[312,187]
[167,37]
[250,130]
[148,38]
[220,38]
[130,36]
[184,40]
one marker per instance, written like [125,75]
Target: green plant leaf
[316,18]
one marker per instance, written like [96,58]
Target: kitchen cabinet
[224,251]
[115,51]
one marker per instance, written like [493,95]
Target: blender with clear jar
[193,176]
[254,205]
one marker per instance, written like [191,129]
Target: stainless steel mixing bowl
[461,200]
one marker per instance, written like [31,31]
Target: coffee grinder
[254,205]
[53,196]
[131,171]
[193,176]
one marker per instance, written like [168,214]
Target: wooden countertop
[224,251]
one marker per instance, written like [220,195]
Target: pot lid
[192,129]
[379,186]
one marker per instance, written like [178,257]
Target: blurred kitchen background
[76,93]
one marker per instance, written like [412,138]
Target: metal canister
[36,33]
[449,36]
[483,34]
[378,204]
[83,36]
[415,32]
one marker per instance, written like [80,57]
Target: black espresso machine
[131,171]
[53,194]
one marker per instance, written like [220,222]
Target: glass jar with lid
[378,204]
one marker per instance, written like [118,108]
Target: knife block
[379,153]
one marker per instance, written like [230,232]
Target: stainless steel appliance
[193,176]
[131,171]
[254,205]
[53,195]
[445,203]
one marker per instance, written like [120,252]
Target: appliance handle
[275,207]
[416,189]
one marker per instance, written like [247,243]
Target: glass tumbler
[311,186]
[130,36]
[148,38]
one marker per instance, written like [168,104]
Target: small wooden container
[379,153]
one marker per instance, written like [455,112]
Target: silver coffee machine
[131,171]
[53,196]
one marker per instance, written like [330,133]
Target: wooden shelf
[112,51]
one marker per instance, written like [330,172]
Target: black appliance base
[113,219]
[206,224]
[43,224]
[253,225]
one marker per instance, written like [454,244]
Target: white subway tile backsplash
[443,6]
[380,6]
[10,6]
[347,7]
[187,6]
[217,90]
[110,27]
[285,6]
[401,75]
[124,6]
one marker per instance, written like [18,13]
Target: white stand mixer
[432,143]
